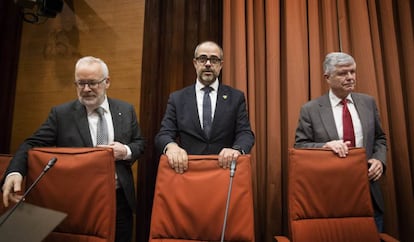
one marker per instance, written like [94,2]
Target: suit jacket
[230,126]
[67,126]
[317,126]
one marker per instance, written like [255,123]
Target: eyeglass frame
[214,60]
[90,83]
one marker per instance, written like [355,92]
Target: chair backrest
[191,206]
[4,162]
[329,197]
[81,184]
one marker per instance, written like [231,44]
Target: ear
[326,77]
[107,82]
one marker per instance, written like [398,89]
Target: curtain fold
[274,52]
[10,26]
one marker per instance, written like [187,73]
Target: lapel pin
[224,96]
[119,114]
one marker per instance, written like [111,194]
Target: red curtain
[274,51]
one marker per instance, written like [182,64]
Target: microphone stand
[48,166]
[232,171]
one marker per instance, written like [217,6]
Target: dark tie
[347,124]
[102,128]
[207,110]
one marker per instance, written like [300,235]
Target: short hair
[208,42]
[334,59]
[91,60]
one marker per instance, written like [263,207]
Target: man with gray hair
[341,119]
[91,120]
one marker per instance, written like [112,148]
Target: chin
[88,102]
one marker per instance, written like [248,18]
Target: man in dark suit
[75,124]
[187,129]
[321,123]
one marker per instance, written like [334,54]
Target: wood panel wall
[111,30]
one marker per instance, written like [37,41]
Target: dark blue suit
[230,126]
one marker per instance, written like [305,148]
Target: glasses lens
[202,59]
[214,60]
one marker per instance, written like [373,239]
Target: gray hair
[91,60]
[208,42]
[334,59]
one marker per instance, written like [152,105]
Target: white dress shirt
[200,95]
[337,111]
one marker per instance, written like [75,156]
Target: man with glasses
[206,117]
[91,120]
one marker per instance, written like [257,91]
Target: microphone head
[52,161]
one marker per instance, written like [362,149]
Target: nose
[86,87]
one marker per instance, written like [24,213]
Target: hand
[11,186]
[375,169]
[177,157]
[226,155]
[120,152]
[338,146]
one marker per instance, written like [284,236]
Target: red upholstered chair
[81,184]
[4,162]
[329,198]
[191,206]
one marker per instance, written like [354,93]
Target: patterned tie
[207,110]
[347,124]
[102,128]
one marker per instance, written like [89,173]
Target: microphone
[49,165]
[232,168]
[232,173]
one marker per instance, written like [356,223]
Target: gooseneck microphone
[232,172]
[49,165]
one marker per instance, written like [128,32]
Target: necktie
[207,110]
[348,127]
[102,128]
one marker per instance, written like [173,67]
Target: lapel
[328,121]
[81,118]
[116,118]
[363,112]
[223,100]
[190,107]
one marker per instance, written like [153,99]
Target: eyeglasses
[202,59]
[90,83]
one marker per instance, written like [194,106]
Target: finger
[220,160]
[185,165]
[184,158]
[180,166]
[6,192]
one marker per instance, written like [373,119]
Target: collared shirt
[200,95]
[337,111]
[93,118]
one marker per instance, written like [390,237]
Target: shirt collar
[213,85]
[335,101]
[104,105]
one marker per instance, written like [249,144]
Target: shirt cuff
[129,153]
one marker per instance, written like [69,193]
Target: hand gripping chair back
[191,206]
[81,184]
[329,197]
[4,162]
